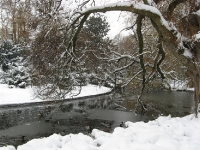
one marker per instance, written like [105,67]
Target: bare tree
[177,26]
[15,16]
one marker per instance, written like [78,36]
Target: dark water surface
[174,103]
[23,123]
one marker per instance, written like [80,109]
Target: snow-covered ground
[164,133]
[18,95]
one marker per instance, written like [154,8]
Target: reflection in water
[174,103]
[25,123]
[18,125]
[115,115]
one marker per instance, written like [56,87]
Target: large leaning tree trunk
[177,33]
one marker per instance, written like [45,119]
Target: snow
[17,95]
[190,89]
[187,53]
[197,13]
[179,85]
[197,36]
[164,133]
[153,10]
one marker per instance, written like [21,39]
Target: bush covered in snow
[14,66]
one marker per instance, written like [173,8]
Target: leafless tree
[15,16]
[176,23]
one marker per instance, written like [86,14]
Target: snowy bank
[164,133]
[18,95]
[177,85]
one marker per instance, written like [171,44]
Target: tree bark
[141,46]
[194,75]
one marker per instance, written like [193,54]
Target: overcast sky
[116,19]
[117,23]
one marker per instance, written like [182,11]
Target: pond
[23,123]
[174,103]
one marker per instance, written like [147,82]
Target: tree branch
[162,52]
[172,6]
[140,43]
[171,37]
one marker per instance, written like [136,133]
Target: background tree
[14,65]
[53,77]
[92,44]
[15,17]
[14,37]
